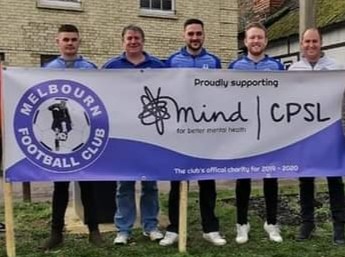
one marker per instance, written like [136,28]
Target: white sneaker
[154,235]
[121,239]
[242,233]
[214,238]
[273,232]
[169,239]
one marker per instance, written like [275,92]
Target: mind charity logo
[61,125]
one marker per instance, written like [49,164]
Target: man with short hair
[194,55]
[256,41]
[314,59]
[134,57]
[68,42]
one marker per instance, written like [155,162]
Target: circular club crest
[61,125]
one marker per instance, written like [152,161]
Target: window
[165,5]
[75,5]
[2,57]
[157,7]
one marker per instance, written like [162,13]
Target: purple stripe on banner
[321,154]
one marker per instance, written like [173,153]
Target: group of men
[192,55]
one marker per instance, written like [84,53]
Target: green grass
[32,228]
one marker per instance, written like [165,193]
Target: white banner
[171,124]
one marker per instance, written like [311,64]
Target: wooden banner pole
[10,240]
[182,242]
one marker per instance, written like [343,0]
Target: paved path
[43,192]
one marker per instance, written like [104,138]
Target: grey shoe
[305,231]
[95,238]
[2,227]
[55,240]
[338,234]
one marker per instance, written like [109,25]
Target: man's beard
[199,46]
[256,53]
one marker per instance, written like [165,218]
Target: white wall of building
[330,38]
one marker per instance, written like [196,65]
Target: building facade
[281,18]
[28,27]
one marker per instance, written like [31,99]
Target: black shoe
[55,240]
[305,231]
[2,227]
[338,234]
[95,238]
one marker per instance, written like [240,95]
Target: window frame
[159,13]
[76,5]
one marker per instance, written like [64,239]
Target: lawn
[32,228]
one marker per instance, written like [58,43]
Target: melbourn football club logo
[61,125]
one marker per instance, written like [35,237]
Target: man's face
[311,45]
[133,42]
[194,36]
[255,41]
[68,43]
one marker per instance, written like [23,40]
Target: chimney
[266,6]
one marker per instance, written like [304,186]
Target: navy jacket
[121,62]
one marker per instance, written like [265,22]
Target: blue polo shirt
[183,59]
[121,62]
[79,63]
[266,64]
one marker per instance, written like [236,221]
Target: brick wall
[27,32]
[266,6]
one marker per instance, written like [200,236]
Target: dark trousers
[60,202]
[243,189]
[207,204]
[336,198]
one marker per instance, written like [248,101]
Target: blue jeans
[126,209]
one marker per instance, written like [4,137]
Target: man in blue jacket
[193,55]
[68,42]
[134,56]
[256,41]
